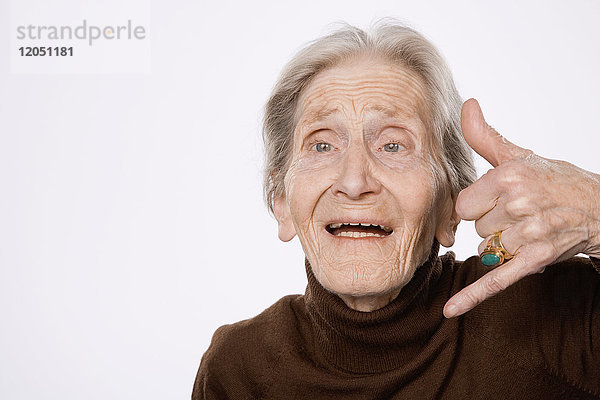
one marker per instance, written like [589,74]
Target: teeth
[339,225]
[358,234]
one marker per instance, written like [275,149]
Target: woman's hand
[547,210]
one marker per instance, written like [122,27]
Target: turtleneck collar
[384,339]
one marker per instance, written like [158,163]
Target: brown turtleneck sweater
[539,339]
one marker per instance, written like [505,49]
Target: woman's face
[361,156]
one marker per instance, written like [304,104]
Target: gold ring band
[494,253]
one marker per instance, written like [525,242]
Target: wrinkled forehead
[362,88]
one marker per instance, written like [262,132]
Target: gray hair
[400,44]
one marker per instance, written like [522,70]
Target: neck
[391,335]
[369,303]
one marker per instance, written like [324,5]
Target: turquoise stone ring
[494,253]
[491,259]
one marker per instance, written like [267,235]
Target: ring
[494,253]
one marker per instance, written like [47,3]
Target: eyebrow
[392,112]
[319,115]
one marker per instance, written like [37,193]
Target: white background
[131,216]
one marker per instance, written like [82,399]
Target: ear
[448,221]
[283,215]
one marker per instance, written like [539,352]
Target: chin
[356,279]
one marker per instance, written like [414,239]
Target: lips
[358,229]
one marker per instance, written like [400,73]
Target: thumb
[484,139]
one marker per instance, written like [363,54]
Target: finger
[510,238]
[479,198]
[487,286]
[497,219]
[484,139]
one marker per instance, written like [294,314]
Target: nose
[355,179]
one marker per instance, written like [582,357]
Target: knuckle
[493,284]
[471,298]
[512,171]
[534,230]
[518,207]
[514,177]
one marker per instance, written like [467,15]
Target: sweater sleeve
[548,322]
[242,359]
[571,324]
[227,370]
[208,383]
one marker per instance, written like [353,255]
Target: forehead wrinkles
[352,91]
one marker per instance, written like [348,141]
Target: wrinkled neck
[369,303]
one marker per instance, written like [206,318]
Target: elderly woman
[368,162]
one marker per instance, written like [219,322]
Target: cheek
[310,172]
[413,189]
[305,183]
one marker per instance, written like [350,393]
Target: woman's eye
[321,147]
[392,147]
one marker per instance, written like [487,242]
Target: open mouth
[358,229]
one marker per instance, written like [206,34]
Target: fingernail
[451,311]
